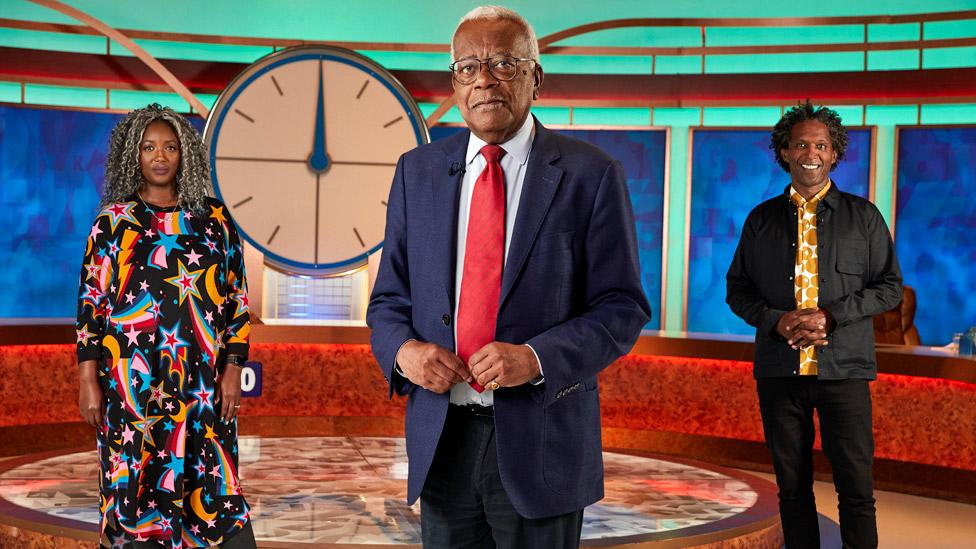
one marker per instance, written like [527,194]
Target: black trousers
[844,409]
[463,504]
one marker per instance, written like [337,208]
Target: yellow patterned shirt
[805,272]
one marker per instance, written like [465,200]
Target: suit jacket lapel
[539,188]
[445,186]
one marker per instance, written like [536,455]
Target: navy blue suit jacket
[570,288]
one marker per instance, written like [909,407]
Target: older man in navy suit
[509,280]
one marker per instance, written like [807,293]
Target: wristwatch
[236,360]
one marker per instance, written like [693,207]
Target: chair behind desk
[897,326]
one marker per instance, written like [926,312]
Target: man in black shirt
[813,265]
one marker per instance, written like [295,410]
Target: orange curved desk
[685,395]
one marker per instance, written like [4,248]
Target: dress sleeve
[236,310]
[96,278]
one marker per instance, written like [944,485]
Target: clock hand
[318,161]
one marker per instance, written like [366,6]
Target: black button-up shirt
[859,277]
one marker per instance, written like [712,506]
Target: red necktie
[484,256]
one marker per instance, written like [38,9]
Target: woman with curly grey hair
[162,330]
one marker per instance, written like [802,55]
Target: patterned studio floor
[351,490]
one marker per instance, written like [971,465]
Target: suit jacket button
[446,319]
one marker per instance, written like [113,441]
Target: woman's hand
[229,392]
[91,400]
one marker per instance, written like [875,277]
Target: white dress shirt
[514,164]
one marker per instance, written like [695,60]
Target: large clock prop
[303,147]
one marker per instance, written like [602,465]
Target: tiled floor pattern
[321,490]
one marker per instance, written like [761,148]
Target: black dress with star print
[163,300]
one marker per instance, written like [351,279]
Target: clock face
[303,147]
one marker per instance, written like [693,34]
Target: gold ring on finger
[493,385]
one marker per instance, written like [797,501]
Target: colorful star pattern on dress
[163,296]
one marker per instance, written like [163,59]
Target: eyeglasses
[501,67]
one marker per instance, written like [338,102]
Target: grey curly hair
[123,176]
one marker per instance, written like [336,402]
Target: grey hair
[123,176]
[498,13]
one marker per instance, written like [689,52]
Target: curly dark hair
[801,113]
[123,176]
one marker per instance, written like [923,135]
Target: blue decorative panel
[732,171]
[51,167]
[935,227]
[642,155]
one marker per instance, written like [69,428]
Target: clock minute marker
[392,122]
[242,202]
[383,202]
[273,234]
[277,87]
[360,238]
[246,117]
[362,89]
